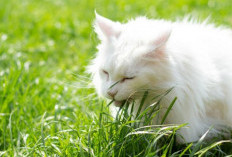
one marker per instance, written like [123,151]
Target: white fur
[194,58]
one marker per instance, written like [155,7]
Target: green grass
[46,105]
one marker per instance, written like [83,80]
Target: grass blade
[168,110]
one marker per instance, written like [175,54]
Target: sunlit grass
[47,105]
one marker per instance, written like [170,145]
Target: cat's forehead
[142,31]
[125,45]
[131,41]
[119,61]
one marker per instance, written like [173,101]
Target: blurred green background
[44,48]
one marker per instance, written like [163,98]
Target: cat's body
[156,55]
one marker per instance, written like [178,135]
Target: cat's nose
[112,93]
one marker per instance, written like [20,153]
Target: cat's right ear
[105,28]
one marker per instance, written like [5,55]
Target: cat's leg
[193,131]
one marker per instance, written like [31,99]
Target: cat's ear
[158,45]
[105,28]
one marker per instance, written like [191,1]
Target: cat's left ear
[158,45]
[105,28]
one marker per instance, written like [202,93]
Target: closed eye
[105,72]
[127,78]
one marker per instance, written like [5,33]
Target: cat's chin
[122,102]
[118,103]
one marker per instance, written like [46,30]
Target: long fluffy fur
[194,58]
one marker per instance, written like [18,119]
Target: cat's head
[131,57]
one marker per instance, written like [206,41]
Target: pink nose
[112,94]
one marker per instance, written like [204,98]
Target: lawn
[47,104]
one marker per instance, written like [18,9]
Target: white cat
[194,58]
